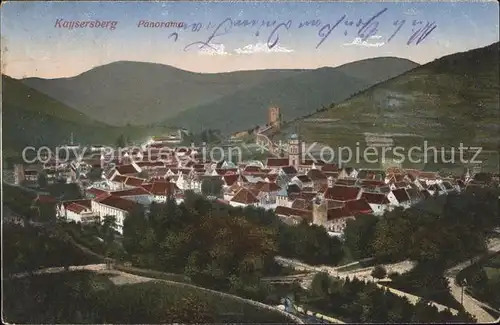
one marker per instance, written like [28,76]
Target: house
[429,178]
[347,172]
[137,194]
[317,177]
[371,174]
[305,166]
[399,197]
[110,205]
[302,181]
[276,163]
[244,197]
[94,192]
[77,211]
[267,193]
[342,193]
[379,203]
[293,216]
[130,169]
[161,191]
[359,206]
[334,219]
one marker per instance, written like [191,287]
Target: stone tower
[320,212]
[18,174]
[274,117]
[293,150]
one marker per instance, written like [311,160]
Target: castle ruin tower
[274,117]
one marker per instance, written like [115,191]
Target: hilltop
[452,100]
[296,95]
[31,118]
[142,93]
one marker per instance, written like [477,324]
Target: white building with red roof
[77,211]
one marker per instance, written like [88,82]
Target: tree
[379,272]
[190,309]
[42,180]
[321,284]
[359,235]
[121,142]
[212,186]
[108,229]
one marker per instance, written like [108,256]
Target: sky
[38,41]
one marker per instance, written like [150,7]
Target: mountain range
[141,93]
[451,100]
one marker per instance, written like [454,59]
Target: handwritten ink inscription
[360,28]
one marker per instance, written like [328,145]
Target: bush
[379,272]
[393,275]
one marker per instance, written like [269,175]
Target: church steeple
[293,150]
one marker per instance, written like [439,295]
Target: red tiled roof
[126,169]
[329,168]
[272,177]
[230,179]
[316,174]
[331,174]
[307,195]
[95,191]
[303,178]
[84,203]
[131,192]
[346,182]
[119,179]
[330,204]
[302,204]
[401,195]
[245,196]
[150,164]
[309,162]
[358,206]
[252,169]
[277,162]
[46,198]
[77,208]
[401,184]
[394,170]
[268,187]
[337,213]
[161,188]
[119,203]
[288,212]
[375,198]
[134,181]
[342,193]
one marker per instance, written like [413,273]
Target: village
[320,193]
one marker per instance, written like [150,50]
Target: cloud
[213,49]
[359,42]
[411,12]
[262,48]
